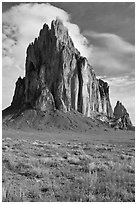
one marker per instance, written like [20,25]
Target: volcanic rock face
[122,117]
[58,77]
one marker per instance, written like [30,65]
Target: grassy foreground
[67,171]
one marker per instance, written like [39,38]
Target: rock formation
[58,77]
[19,94]
[121,116]
[105,101]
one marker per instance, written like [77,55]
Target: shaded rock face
[122,117]
[19,94]
[105,100]
[58,77]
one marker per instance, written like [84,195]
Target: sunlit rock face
[58,77]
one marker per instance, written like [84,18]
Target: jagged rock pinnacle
[122,116]
[57,76]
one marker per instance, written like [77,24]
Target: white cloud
[28,19]
[111,54]
[112,41]
[120,81]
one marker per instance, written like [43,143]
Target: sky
[104,32]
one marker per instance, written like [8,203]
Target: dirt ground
[96,135]
[64,165]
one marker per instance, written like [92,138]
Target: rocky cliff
[58,77]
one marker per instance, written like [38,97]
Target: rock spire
[121,116]
[58,77]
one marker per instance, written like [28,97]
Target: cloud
[112,55]
[28,19]
[21,24]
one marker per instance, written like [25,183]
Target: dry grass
[67,171]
